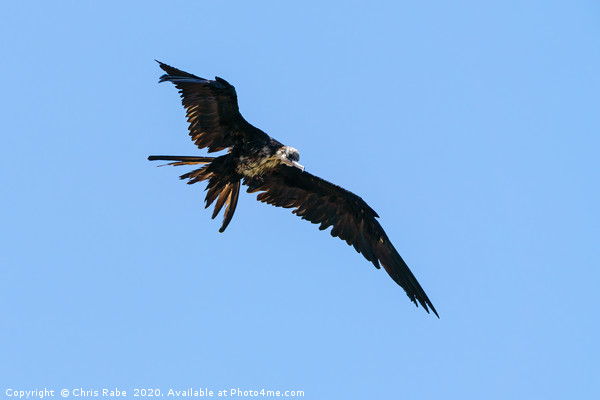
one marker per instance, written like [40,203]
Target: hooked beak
[300,167]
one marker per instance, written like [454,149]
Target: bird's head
[290,157]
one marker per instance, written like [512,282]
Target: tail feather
[232,204]
[221,187]
[182,160]
[224,196]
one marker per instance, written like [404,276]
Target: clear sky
[472,128]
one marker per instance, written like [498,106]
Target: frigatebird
[265,165]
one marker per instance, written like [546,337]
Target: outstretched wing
[212,111]
[353,221]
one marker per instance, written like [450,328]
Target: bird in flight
[265,165]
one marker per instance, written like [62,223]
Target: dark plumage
[265,165]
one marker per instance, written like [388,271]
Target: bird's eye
[294,156]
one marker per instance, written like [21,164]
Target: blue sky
[472,129]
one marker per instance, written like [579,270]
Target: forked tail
[222,186]
[182,160]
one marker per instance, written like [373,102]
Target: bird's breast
[251,167]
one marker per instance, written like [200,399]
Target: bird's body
[265,165]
